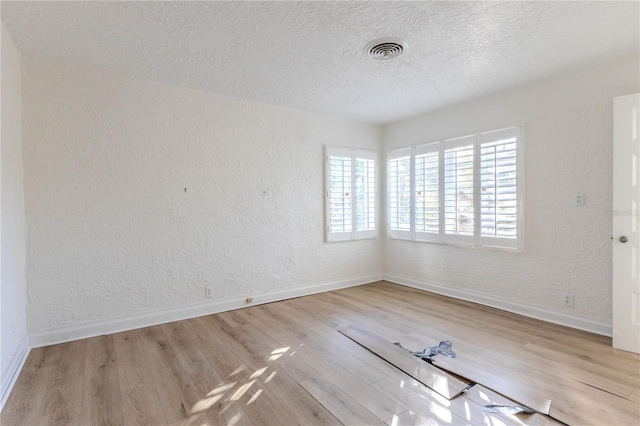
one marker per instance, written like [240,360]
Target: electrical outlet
[208,291]
[579,199]
[249,300]
[568,300]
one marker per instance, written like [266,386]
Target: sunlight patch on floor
[205,403]
[394,420]
[278,353]
[237,370]
[234,420]
[222,388]
[271,376]
[443,413]
[258,373]
[254,397]
[241,391]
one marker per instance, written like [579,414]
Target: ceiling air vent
[385,48]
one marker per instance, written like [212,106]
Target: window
[458,191]
[350,194]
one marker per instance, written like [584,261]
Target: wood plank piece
[101,403]
[337,402]
[345,378]
[141,406]
[427,405]
[484,396]
[514,387]
[410,419]
[432,377]
[63,398]
[133,368]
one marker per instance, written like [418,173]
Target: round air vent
[385,48]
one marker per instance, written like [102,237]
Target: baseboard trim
[570,320]
[10,374]
[99,328]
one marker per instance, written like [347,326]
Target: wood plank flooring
[432,377]
[286,363]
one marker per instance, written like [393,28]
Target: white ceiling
[309,55]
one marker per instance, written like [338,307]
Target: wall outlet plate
[208,291]
[568,300]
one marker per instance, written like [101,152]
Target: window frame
[442,236]
[354,233]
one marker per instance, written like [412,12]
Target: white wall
[13,291]
[115,242]
[112,234]
[568,149]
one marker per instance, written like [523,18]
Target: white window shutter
[350,194]
[499,188]
[339,179]
[428,177]
[364,188]
[459,190]
[399,193]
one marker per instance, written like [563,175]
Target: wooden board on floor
[432,377]
[520,388]
[338,403]
[485,396]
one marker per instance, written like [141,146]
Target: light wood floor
[286,363]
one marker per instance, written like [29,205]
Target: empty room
[300,213]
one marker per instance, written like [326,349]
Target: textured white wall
[112,234]
[568,149]
[111,231]
[13,290]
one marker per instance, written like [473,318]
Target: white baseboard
[66,334]
[11,371]
[570,320]
[83,331]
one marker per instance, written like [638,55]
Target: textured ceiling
[309,55]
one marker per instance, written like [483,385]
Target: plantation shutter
[364,186]
[427,182]
[459,215]
[339,194]
[399,193]
[458,191]
[350,194]
[499,188]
